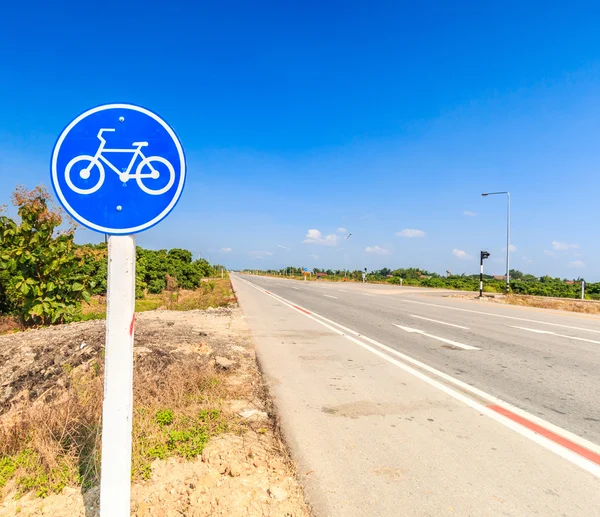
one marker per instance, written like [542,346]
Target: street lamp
[346,256]
[507,235]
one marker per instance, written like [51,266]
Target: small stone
[254,414]
[223,363]
[277,493]
[235,470]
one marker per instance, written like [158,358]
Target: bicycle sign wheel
[148,170]
[118,169]
[84,166]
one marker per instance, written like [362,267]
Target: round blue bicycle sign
[118,169]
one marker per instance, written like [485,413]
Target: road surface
[399,401]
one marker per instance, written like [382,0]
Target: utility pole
[346,255]
[482,257]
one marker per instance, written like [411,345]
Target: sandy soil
[237,475]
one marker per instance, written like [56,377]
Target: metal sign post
[118,169]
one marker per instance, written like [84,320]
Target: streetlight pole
[346,256]
[507,235]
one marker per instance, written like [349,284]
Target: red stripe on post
[567,444]
[132,324]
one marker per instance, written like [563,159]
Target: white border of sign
[113,231]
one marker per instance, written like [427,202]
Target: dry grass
[563,304]
[9,324]
[176,413]
[212,293]
[47,447]
[177,408]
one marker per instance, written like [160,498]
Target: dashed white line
[442,339]
[367,294]
[499,315]
[538,331]
[329,296]
[440,322]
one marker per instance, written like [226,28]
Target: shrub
[46,283]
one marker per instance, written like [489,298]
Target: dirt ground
[541,302]
[244,473]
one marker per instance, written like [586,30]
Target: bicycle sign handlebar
[141,147]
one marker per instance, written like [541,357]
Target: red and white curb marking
[573,448]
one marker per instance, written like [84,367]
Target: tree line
[520,283]
[45,276]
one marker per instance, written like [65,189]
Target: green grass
[31,475]
[150,303]
[96,310]
[171,433]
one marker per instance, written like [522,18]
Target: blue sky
[373,117]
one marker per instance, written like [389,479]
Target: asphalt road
[555,376]
[537,368]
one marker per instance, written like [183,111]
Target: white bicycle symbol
[124,176]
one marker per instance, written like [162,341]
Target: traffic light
[484,255]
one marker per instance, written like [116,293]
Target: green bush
[46,284]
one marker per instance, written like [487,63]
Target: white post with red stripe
[117,409]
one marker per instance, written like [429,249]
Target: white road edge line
[329,296]
[498,315]
[442,339]
[440,322]
[563,452]
[538,331]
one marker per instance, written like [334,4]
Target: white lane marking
[440,322]
[367,294]
[442,339]
[329,296]
[561,451]
[297,289]
[342,291]
[498,315]
[538,331]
